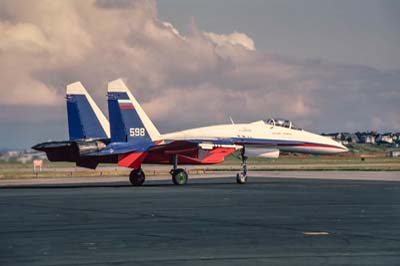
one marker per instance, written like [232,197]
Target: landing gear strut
[241,177]
[179,175]
[137,177]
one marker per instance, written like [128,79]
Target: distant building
[367,139]
[395,154]
[22,156]
[353,139]
[384,139]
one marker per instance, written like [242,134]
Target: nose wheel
[137,177]
[241,177]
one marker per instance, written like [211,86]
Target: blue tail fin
[85,119]
[128,121]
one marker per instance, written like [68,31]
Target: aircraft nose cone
[342,147]
[338,147]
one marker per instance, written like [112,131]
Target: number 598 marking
[137,132]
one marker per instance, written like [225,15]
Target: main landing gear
[179,175]
[137,177]
[241,177]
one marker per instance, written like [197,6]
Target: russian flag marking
[125,104]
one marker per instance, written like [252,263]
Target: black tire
[137,177]
[179,176]
[241,178]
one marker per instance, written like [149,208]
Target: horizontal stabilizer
[121,148]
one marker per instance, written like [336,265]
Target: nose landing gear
[241,177]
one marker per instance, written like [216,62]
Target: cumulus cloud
[183,81]
[236,38]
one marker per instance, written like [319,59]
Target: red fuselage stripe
[313,145]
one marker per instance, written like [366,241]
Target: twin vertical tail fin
[85,119]
[128,121]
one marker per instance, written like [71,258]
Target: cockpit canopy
[279,122]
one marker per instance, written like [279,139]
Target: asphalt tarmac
[269,221]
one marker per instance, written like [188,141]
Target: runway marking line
[315,233]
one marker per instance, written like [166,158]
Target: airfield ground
[278,218]
[67,170]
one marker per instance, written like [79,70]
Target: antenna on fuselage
[230,118]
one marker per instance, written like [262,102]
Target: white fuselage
[262,136]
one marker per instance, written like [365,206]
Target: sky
[327,65]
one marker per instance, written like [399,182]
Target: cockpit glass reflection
[281,123]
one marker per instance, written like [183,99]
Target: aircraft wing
[190,152]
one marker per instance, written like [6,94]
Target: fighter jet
[134,140]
